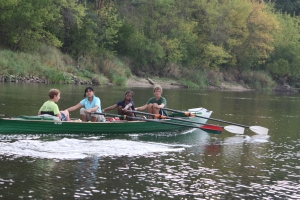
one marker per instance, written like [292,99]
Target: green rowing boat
[42,124]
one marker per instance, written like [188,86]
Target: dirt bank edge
[135,81]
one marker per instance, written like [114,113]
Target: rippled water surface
[191,164]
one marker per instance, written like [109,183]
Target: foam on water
[257,139]
[71,149]
[248,139]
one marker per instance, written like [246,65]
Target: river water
[191,164]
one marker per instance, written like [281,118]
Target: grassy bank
[51,65]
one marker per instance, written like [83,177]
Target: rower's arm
[110,107]
[74,107]
[142,107]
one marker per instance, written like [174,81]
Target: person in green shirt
[155,104]
[50,107]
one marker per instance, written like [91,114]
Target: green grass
[116,71]
[258,80]
[189,84]
[46,63]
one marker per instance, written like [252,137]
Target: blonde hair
[53,92]
[157,87]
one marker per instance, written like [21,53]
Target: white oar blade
[235,129]
[259,130]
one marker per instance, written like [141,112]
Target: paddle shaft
[159,116]
[189,114]
[150,120]
[232,129]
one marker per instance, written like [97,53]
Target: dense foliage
[198,40]
[287,6]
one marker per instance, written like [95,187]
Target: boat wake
[255,139]
[72,149]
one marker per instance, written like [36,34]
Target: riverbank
[135,81]
[41,68]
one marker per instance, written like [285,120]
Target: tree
[221,30]
[24,24]
[261,25]
[109,23]
[291,7]
[283,63]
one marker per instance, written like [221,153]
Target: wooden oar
[257,129]
[207,128]
[232,129]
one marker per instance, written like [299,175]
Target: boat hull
[17,125]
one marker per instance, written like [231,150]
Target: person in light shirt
[88,106]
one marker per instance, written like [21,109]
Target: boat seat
[163,112]
[47,113]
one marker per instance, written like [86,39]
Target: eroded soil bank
[135,81]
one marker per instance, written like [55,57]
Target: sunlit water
[183,165]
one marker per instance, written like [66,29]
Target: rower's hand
[88,111]
[156,106]
[127,107]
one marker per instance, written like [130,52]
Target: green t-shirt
[50,106]
[160,101]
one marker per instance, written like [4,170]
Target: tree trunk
[101,5]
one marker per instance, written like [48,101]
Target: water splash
[71,149]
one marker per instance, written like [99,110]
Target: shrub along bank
[49,65]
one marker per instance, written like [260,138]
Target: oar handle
[114,115]
[142,113]
[143,119]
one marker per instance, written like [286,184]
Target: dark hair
[87,89]
[129,91]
